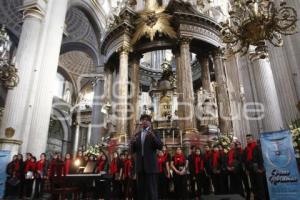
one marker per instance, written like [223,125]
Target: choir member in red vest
[179,166]
[79,161]
[199,172]
[56,166]
[128,176]
[116,170]
[168,168]
[191,176]
[207,168]
[255,168]
[234,168]
[102,164]
[41,175]
[29,171]
[244,175]
[13,182]
[224,172]
[20,174]
[163,175]
[67,164]
[102,186]
[216,169]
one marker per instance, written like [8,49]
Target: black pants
[39,187]
[128,187]
[102,189]
[180,185]
[236,186]
[224,183]
[147,186]
[207,184]
[117,189]
[216,181]
[22,187]
[28,187]
[200,181]
[192,180]
[12,187]
[163,186]
[246,184]
[258,185]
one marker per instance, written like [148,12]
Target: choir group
[202,172]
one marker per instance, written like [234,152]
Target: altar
[183,93]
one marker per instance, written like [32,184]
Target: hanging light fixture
[252,22]
[8,72]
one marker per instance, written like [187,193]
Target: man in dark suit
[144,145]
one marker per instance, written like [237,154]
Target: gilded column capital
[258,52]
[218,53]
[35,9]
[254,56]
[124,50]
[185,40]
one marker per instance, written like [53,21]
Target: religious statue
[168,80]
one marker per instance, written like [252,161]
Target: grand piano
[85,182]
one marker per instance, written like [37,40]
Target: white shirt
[143,137]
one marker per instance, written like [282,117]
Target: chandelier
[252,22]
[8,72]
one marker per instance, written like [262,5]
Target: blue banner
[281,167]
[4,160]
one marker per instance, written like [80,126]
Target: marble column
[89,134]
[283,78]
[135,91]
[122,101]
[35,78]
[39,126]
[97,116]
[266,93]
[108,85]
[205,74]
[185,86]
[11,133]
[76,140]
[225,123]
[179,87]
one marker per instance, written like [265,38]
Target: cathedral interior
[83,71]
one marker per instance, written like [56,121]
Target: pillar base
[11,145]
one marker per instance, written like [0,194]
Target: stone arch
[97,21]
[60,141]
[67,76]
[81,46]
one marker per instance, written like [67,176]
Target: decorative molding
[201,33]
[10,141]
[124,50]
[185,40]
[35,9]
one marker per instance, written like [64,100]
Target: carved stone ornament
[9,132]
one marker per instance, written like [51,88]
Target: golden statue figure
[153,20]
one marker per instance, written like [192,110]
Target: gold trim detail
[9,132]
[10,141]
[153,20]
